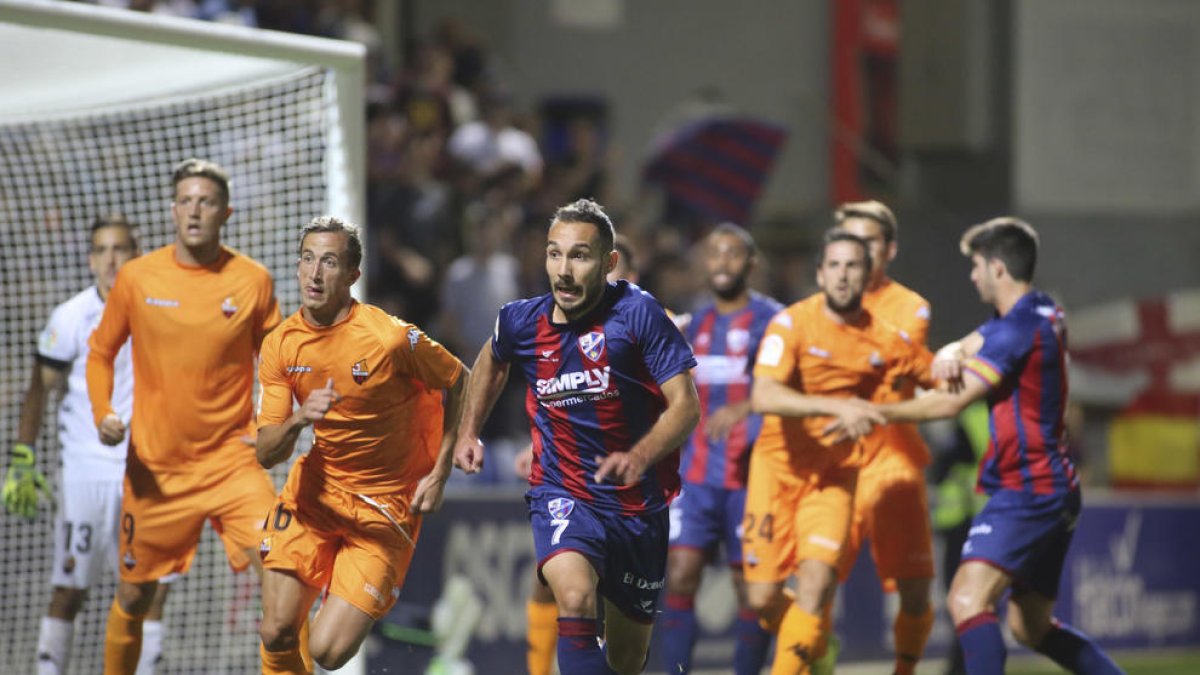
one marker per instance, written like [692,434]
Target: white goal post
[96,106]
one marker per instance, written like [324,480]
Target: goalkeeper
[87,523]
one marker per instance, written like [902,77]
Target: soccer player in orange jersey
[820,359]
[197,312]
[891,508]
[348,518]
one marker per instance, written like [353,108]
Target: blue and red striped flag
[717,166]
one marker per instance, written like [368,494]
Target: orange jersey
[383,435]
[811,353]
[195,331]
[907,310]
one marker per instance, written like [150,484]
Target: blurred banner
[1142,357]
[1129,582]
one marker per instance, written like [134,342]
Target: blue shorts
[703,516]
[629,553]
[1025,535]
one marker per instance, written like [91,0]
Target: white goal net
[123,99]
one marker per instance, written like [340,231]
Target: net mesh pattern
[56,176]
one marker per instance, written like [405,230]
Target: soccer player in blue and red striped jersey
[725,335]
[1019,540]
[611,399]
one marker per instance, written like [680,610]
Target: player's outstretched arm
[428,497]
[667,433]
[936,404]
[24,485]
[854,418]
[276,442]
[488,376]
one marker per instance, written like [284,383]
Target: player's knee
[331,656]
[762,599]
[135,599]
[65,603]
[575,602]
[965,601]
[278,636]
[914,595]
[682,578]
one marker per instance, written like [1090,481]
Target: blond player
[891,508]
[347,520]
[197,312]
[819,359]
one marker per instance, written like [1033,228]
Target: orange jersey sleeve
[195,332]
[103,345]
[902,307]
[382,436]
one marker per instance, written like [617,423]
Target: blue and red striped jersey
[594,388]
[1023,360]
[725,345]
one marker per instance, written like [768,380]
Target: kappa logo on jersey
[560,507]
[592,345]
[590,381]
[359,371]
[818,352]
[160,302]
[738,340]
[228,308]
[414,336]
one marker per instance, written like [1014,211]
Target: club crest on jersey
[592,345]
[560,507]
[228,308]
[738,340]
[359,371]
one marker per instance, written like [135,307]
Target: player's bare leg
[337,632]
[796,623]
[286,602]
[627,641]
[573,580]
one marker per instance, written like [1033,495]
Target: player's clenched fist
[319,402]
[468,454]
[112,430]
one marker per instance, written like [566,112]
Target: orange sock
[283,663]
[911,633]
[795,647]
[122,641]
[542,633]
[826,631]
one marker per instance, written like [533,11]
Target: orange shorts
[336,540]
[163,515]
[891,509]
[792,518]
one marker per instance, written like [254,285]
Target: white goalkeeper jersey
[64,344]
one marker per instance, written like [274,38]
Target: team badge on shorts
[129,561]
[228,308]
[69,564]
[359,371]
[560,507]
[264,547]
[592,345]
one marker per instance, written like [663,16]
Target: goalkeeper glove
[24,485]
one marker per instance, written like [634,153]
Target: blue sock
[753,643]
[1075,652]
[679,630]
[578,649]
[982,644]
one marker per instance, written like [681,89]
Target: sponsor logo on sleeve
[771,352]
